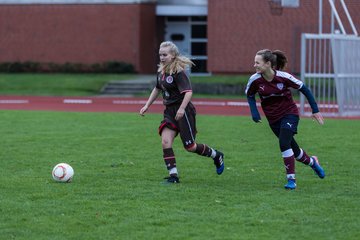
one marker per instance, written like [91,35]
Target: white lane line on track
[214,103]
[241,104]
[202,103]
[157,102]
[78,101]
[134,102]
[209,103]
[13,101]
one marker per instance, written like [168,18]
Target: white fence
[330,67]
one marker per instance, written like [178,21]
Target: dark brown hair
[277,58]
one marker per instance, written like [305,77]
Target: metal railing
[330,67]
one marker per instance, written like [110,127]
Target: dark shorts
[290,122]
[186,126]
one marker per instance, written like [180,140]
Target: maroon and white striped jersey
[276,97]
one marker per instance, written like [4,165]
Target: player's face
[165,55]
[260,65]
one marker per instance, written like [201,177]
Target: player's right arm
[154,94]
[253,109]
[250,92]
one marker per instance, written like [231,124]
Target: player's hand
[180,113]
[143,110]
[256,118]
[318,117]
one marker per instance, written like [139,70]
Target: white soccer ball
[63,172]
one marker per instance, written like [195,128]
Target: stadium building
[221,36]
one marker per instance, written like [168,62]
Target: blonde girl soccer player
[179,113]
[273,85]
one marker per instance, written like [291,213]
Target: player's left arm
[315,110]
[181,111]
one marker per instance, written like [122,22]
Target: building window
[189,33]
[198,48]
[200,66]
[177,37]
[177,19]
[199,18]
[198,31]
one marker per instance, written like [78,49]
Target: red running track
[223,107]
[116,104]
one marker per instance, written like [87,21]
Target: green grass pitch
[117,190]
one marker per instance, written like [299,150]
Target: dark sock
[305,159]
[289,163]
[169,158]
[203,150]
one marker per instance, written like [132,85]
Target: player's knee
[166,143]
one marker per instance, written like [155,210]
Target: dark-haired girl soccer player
[273,85]
[179,113]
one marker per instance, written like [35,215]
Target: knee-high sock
[289,162]
[170,162]
[204,150]
[304,158]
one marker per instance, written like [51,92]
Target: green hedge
[35,67]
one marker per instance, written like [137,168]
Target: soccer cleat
[291,184]
[317,168]
[219,162]
[172,179]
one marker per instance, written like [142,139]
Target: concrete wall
[238,29]
[79,33]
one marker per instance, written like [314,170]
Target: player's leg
[167,140]
[168,130]
[303,157]
[285,138]
[206,151]
[187,130]
[288,155]
[288,127]
[300,154]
